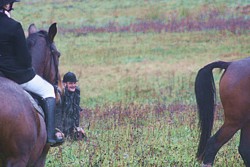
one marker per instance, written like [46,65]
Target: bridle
[56,79]
[53,58]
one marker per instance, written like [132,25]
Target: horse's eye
[56,53]
[53,51]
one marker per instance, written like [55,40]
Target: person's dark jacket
[68,113]
[15,59]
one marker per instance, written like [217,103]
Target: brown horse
[22,130]
[234,90]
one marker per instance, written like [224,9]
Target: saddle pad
[35,105]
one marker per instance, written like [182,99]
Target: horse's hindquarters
[235,93]
[19,126]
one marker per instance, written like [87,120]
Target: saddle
[36,102]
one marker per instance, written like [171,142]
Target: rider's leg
[44,89]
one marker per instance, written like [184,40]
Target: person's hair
[5,2]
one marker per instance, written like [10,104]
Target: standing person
[69,119]
[16,64]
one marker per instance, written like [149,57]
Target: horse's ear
[52,31]
[32,29]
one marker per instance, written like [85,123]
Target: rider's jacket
[15,59]
[70,111]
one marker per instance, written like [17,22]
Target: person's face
[8,7]
[71,86]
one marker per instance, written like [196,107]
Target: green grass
[138,88]
[135,67]
[76,13]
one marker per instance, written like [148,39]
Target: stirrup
[56,144]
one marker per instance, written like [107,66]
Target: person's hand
[59,134]
[79,129]
[81,113]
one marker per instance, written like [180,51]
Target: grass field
[136,62]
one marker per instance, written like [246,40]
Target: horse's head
[45,56]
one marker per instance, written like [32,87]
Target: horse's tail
[205,92]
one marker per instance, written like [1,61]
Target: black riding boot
[49,110]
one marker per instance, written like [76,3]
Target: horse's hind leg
[244,148]
[225,133]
